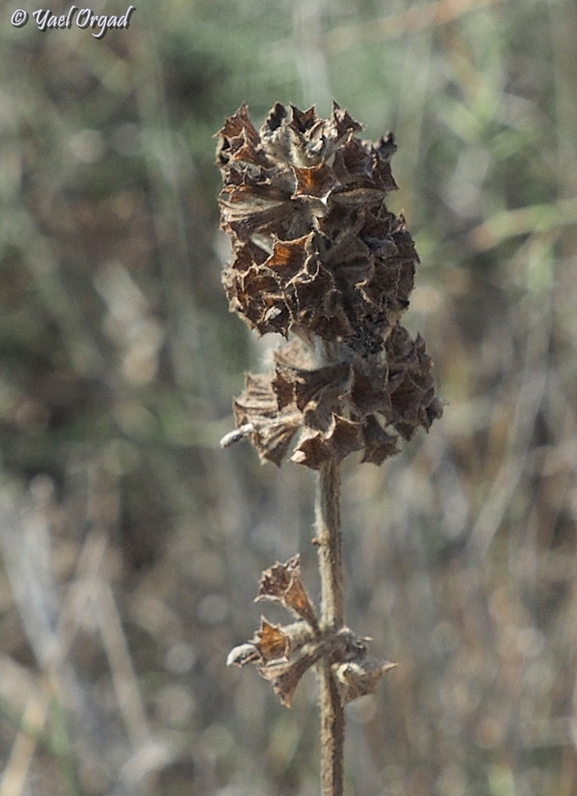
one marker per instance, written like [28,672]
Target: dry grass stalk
[318,258]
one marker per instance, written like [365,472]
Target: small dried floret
[283,583]
[357,679]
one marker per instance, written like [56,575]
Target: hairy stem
[329,543]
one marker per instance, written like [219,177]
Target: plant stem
[329,543]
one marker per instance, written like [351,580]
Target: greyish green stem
[329,542]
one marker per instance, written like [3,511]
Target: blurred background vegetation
[132,545]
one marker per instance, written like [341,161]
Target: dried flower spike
[318,257]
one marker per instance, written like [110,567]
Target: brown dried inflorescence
[319,258]
[283,653]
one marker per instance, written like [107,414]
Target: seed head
[318,258]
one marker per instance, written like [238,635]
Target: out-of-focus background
[132,545]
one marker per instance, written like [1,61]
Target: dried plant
[318,258]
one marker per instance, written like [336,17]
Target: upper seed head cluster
[317,256]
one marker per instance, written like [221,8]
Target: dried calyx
[318,258]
